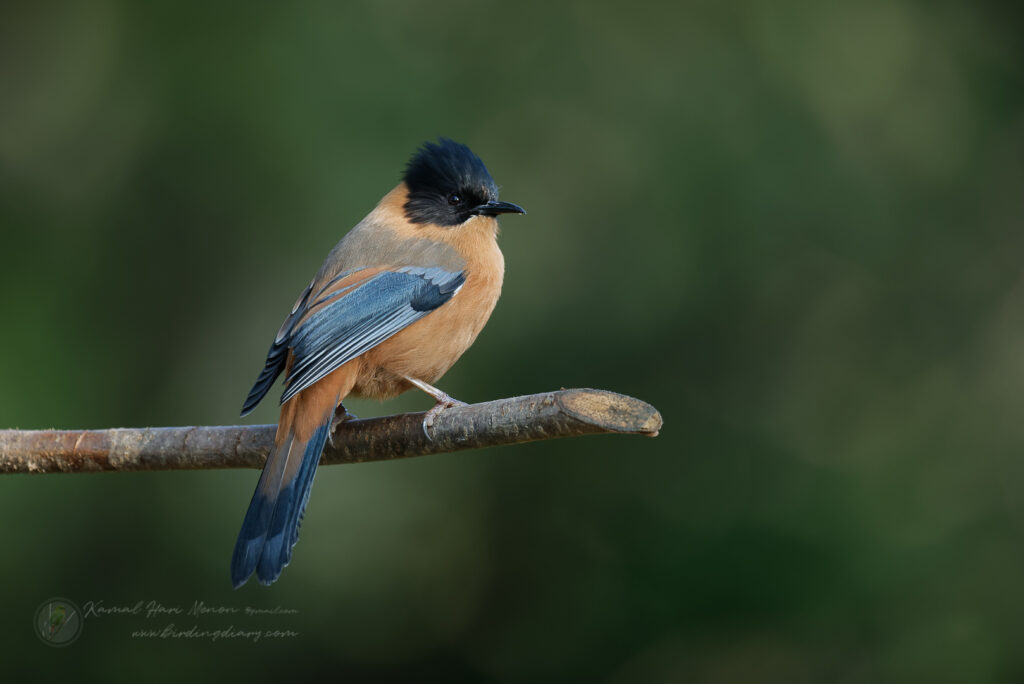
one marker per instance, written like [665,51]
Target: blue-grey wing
[277,357]
[343,324]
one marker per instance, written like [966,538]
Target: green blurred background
[794,227]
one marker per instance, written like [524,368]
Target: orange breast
[428,348]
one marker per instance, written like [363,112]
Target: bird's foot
[341,415]
[444,402]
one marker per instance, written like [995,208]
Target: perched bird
[395,304]
[58,616]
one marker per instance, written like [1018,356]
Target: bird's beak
[495,208]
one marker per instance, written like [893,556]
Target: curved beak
[495,208]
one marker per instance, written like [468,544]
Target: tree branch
[566,413]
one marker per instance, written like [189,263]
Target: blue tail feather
[271,525]
[257,518]
[291,504]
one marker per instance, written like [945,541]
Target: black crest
[446,182]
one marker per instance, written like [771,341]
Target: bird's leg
[443,402]
[341,415]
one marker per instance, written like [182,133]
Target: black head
[448,185]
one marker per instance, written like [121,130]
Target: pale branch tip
[565,413]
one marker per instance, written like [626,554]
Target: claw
[341,415]
[444,402]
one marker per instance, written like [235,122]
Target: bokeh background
[794,227]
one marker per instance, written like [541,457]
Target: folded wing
[347,317]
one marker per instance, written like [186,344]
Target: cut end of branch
[610,411]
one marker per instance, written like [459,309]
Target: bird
[58,618]
[396,302]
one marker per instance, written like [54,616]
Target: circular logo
[58,622]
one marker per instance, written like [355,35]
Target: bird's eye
[454,198]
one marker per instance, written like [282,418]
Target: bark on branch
[566,413]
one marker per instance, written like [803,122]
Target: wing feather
[346,326]
[349,315]
[277,356]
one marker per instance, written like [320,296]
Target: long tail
[271,525]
